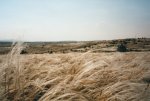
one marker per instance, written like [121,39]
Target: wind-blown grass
[75,76]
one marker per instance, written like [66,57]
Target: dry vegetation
[136,45]
[75,76]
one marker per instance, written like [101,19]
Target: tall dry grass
[75,76]
[11,69]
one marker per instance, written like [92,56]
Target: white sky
[59,20]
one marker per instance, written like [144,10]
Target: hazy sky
[57,20]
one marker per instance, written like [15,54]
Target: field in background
[140,44]
[103,75]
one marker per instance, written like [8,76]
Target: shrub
[23,52]
[121,48]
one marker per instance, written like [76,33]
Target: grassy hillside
[75,76]
[140,44]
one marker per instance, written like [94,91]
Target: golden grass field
[72,76]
